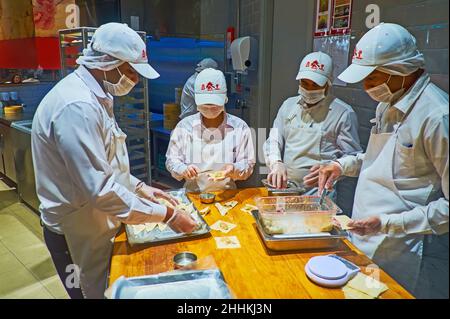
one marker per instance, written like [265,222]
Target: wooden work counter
[250,271]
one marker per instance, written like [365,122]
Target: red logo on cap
[210,87]
[144,54]
[357,54]
[315,65]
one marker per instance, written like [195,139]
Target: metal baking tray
[299,241]
[157,236]
[193,284]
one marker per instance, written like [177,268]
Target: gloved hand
[191,172]
[366,227]
[181,222]
[328,174]
[312,179]
[278,175]
[227,170]
[152,194]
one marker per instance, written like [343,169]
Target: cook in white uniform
[401,201]
[188,106]
[211,140]
[81,162]
[310,128]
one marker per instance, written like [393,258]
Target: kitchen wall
[251,24]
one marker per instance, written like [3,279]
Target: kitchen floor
[26,268]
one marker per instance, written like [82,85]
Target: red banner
[30,53]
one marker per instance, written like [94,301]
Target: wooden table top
[251,271]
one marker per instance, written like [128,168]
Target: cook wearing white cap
[81,163]
[188,106]
[210,140]
[310,128]
[402,193]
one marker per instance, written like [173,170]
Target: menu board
[323,17]
[333,17]
[342,10]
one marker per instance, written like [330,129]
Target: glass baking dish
[296,214]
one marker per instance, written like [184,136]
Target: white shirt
[240,152]
[71,137]
[420,159]
[337,119]
[188,106]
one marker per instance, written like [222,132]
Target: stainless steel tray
[194,284]
[298,241]
[157,236]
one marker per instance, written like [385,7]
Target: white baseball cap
[317,67]
[386,43]
[210,88]
[123,43]
[206,64]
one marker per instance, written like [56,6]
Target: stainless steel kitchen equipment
[26,185]
[292,189]
[131,111]
[207,198]
[192,284]
[7,142]
[282,242]
[167,235]
[184,260]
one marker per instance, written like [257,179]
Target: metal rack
[131,111]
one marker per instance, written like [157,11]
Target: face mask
[122,87]
[311,97]
[210,112]
[382,92]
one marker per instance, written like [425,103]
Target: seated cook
[211,149]
[310,128]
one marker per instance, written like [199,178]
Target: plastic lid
[327,268]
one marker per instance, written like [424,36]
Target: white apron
[377,194]
[302,149]
[214,155]
[90,232]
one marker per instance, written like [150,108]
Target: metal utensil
[184,260]
[322,197]
[207,198]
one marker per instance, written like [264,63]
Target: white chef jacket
[338,122]
[240,152]
[421,151]
[188,105]
[71,139]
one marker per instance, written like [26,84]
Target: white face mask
[311,96]
[122,87]
[209,111]
[382,92]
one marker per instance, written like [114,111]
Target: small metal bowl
[184,260]
[207,198]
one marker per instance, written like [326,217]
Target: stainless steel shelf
[131,111]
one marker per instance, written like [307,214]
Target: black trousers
[59,251]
